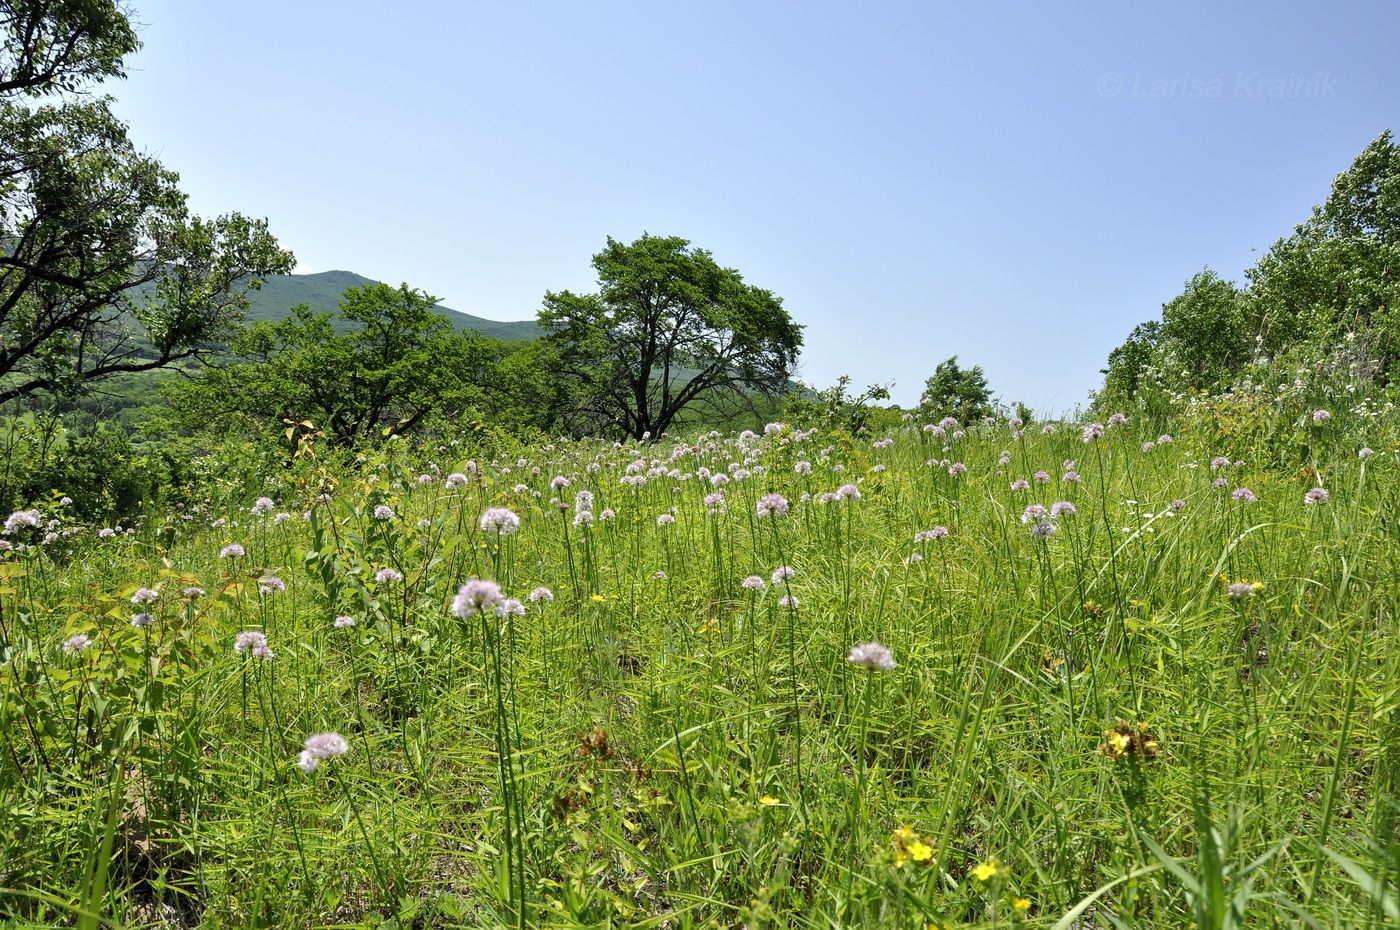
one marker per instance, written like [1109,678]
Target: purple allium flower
[145,596]
[499,520]
[344,621]
[280,518]
[659,575]
[192,592]
[231,551]
[76,643]
[540,594]
[1071,476]
[1221,483]
[1241,590]
[384,512]
[1220,461]
[510,607]
[803,468]
[474,597]
[106,532]
[456,480]
[872,656]
[22,519]
[1321,416]
[1062,509]
[1178,505]
[559,482]
[584,518]
[1315,496]
[752,583]
[141,621]
[714,501]
[1041,477]
[263,505]
[607,514]
[772,428]
[583,500]
[783,573]
[1117,419]
[1015,422]
[321,746]
[1004,458]
[1047,429]
[388,576]
[665,520]
[938,532]
[249,641]
[772,505]
[1020,484]
[1043,530]
[913,558]
[1244,495]
[1366,452]
[957,468]
[270,584]
[848,492]
[1164,440]
[789,601]
[1035,513]
[1092,432]
[1148,446]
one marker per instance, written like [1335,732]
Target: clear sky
[1017,184]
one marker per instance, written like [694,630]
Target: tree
[1337,272]
[957,392]
[668,329]
[1204,328]
[387,361]
[103,270]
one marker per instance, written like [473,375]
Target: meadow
[1061,675]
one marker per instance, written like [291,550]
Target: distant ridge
[320,291]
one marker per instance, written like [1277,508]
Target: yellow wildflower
[1021,904]
[920,851]
[985,871]
[768,801]
[597,598]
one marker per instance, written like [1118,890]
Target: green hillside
[320,292]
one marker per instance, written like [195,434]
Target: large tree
[957,392]
[103,270]
[668,329]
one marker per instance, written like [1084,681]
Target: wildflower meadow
[992,674]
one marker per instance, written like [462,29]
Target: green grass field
[1087,725]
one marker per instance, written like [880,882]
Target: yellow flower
[597,598]
[1257,585]
[985,871]
[903,834]
[900,858]
[920,851]
[1021,904]
[768,801]
[1119,741]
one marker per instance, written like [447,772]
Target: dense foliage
[1323,299]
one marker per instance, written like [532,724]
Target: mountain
[321,291]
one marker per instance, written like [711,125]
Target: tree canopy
[668,329]
[385,362]
[103,270]
[1329,290]
[954,391]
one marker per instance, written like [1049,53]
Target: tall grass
[1087,725]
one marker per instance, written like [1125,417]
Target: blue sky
[1017,184]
